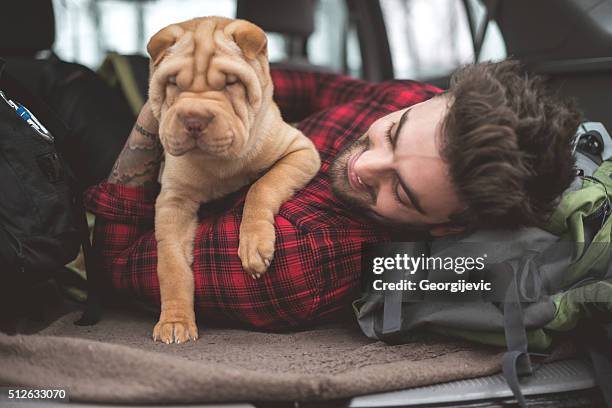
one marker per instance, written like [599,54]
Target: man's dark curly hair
[507,141]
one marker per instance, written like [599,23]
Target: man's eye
[172,80]
[397,194]
[388,135]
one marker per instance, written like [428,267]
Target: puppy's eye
[172,80]
[231,80]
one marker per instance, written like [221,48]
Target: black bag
[39,209]
[98,117]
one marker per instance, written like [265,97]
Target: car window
[430,38]
[87,29]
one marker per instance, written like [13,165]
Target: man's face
[395,171]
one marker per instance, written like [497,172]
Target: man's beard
[340,181]
[358,201]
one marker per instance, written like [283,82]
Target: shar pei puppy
[211,91]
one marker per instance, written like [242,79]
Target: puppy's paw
[169,330]
[256,247]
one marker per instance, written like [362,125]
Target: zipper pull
[29,118]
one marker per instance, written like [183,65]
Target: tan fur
[243,136]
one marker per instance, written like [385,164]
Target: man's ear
[446,229]
[161,41]
[251,39]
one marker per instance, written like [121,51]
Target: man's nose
[372,165]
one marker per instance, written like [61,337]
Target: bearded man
[401,160]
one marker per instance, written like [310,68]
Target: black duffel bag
[40,211]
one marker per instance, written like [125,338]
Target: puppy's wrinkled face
[209,83]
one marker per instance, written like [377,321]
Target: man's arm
[138,163]
[285,297]
[301,93]
[124,203]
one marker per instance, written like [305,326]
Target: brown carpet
[117,362]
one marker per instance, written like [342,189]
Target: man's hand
[138,162]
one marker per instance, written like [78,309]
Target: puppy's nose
[196,124]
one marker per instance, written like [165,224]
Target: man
[400,160]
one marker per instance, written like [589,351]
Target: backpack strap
[392,313]
[93,308]
[516,362]
[596,339]
[394,299]
[116,69]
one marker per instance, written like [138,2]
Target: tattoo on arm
[145,133]
[138,163]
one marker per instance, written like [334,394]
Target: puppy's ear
[251,39]
[160,42]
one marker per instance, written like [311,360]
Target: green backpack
[545,281]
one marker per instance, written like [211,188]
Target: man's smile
[354,180]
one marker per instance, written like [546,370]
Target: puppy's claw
[256,247]
[175,330]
